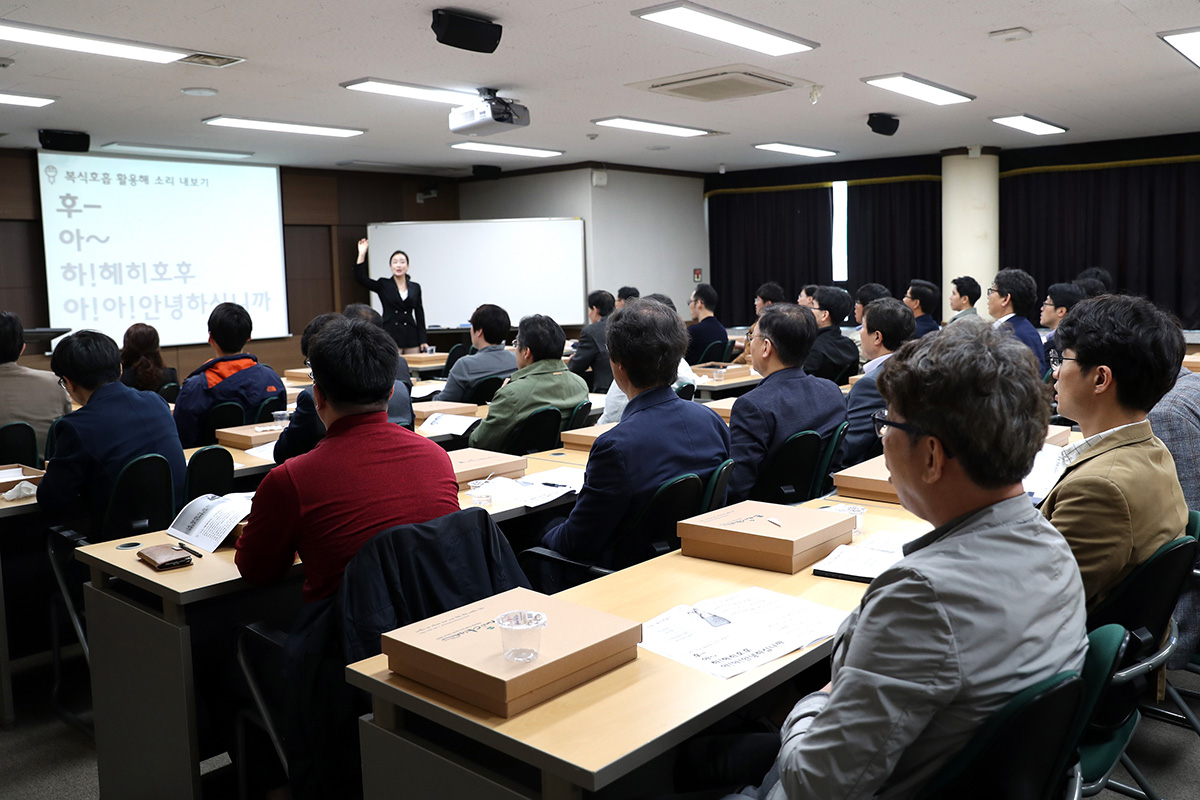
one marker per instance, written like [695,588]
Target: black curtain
[894,233]
[755,237]
[1141,223]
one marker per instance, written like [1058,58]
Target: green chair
[222,415]
[791,473]
[537,432]
[714,490]
[169,392]
[485,389]
[713,352]
[18,444]
[268,407]
[209,471]
[579,416]
[821,477]
[453,355]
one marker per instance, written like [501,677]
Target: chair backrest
[714,491]
[537,432]
[1108,647]
[687,391]
[485,389]
[169,392]
[713,352]
[1022,751]
[452,355]
[143,499]
[18,444]
[790,475]
[579,415]
[222,415]
[268,407]
[727,353]
[209,471]
[1193,525]
[827,456]
[652,530]
[843,375]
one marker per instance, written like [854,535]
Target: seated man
[489,330]
[983,606]
[541,380]
[764,296]
[27,395]
[787,400]
[615,400]
[660,436]
[964,294]
[366,474]
[863,298]
[590,351]
[887,324]
[305,428]
[1118,498]
[923,297]
[1011,299]
[625,294]
[233,376]
[707,328]
[114,425]
[1060,298]
[364,312]
[833,356]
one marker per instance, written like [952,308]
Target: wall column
[970,219]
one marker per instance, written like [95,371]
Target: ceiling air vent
[721,83]
[210,60]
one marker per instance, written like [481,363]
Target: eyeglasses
[882,423]
[993,290]
[1056,359]
[310,375]
[754,336]
[63,383]
[1049,304]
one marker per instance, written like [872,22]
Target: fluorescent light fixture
[1187,42]
[412,91]
[171,150]
[281,127]
[83,43]
[506,150]
[10,99]
[646,126]
[796,150]
[712,24]
[919,89]
[1029,124]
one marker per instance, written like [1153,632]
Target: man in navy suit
[923,297]
[787,400]
[114,425]
[590,351]
[660,436]
[1011,299]
[887,323]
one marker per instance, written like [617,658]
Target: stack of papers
[726,636]
[447,424]
[531,491]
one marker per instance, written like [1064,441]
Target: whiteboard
[525,266]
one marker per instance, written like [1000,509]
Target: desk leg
[8,715]
[144,700]
[555,788]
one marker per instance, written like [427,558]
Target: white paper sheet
[441,424]
[12,474]
[558,478]
[508,493]
[207,520]
[1045,472]
[423,389]
[266,451]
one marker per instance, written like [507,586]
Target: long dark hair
[141,356]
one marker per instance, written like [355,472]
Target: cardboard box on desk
[425,359]
[299,375]
[243,437]
[853,379]
[430,407]
[584,438]
[30,474]
[867,481]
[459,652]
[471,463]
[1059,435]
[743,534]
[733,372]
[723,407]
[1192,361]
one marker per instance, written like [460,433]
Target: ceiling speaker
[883,124]
[485,171]
[67,141]
[466,32]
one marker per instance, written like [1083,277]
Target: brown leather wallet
[164,556]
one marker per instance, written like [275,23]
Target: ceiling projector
[490,115]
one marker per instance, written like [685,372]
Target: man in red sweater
[366,475]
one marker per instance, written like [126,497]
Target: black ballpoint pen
[183,546]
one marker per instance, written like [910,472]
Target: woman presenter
[403,314]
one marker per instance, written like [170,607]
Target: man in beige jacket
[27,395]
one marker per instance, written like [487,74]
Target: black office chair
[143,500]
[714,490]
[209,471]
[821,482]
[18,444]
[687,391]
[843,375]
[791,474]
[222,415]
[1185,717]
[169,392]
[268,407]
[485,389]
[453,355]
[579,416]
[537,432]
[713,352]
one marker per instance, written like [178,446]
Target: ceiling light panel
[506,150]
[173,151]
[919,89]
[412,91]
[1187,42]
[645,126]
[83,43]
[1029,124]
[726,28]
[281,127]
[796,150]
[27,100]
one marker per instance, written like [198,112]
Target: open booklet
[725,636]
[442,424]
[207,520]
[533,490]
[865,561]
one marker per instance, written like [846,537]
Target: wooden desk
[562,457]
[728,388]
[591,735]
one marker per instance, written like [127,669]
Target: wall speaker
[67,141]
[466,32]
[485,171]
[883,124]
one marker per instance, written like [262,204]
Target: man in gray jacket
[987,604]
[490,327]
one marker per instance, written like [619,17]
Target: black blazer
[403,318]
